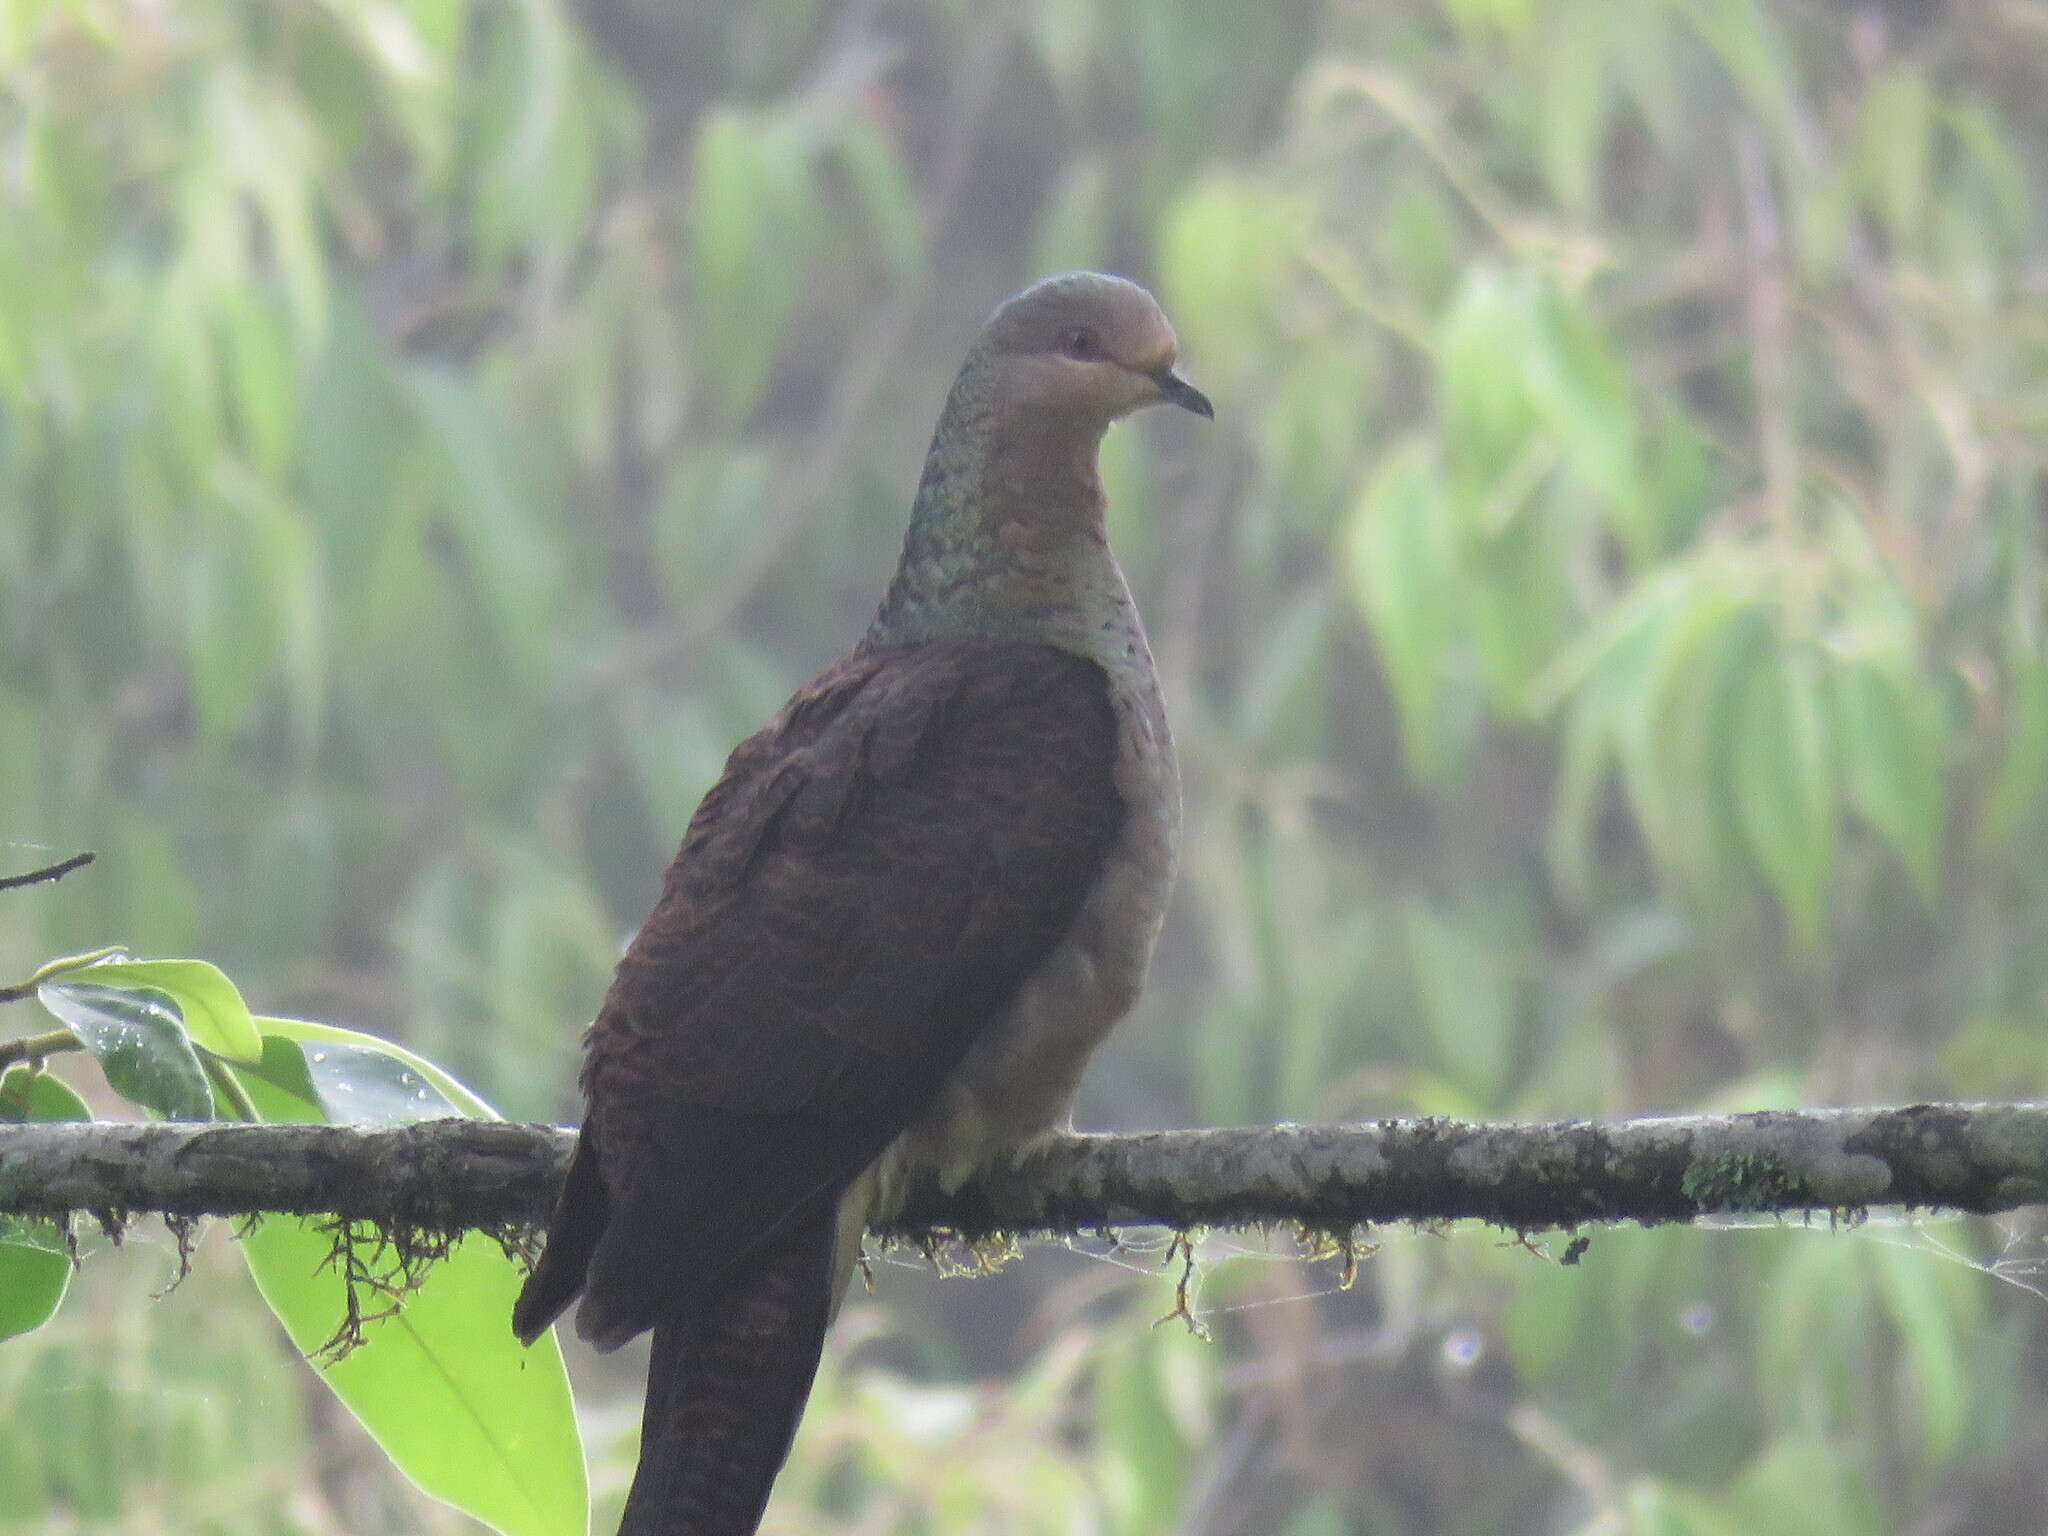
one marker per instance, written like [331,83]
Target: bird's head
[1089,346]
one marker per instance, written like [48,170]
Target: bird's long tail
[725,1387]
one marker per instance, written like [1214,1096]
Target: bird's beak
[1175,390]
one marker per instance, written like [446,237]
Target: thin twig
[55,871]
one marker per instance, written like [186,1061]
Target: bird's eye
[1083,345]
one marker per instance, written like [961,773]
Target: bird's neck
[1006,536]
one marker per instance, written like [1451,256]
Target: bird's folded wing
[856,901]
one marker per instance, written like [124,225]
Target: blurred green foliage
[1606,634]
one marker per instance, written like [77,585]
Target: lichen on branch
[452,1176]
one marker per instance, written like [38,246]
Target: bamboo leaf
[1891,764]
[1785,786]
[749,226]
[1402,568]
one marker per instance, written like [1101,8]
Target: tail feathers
[579,1220]
[725,1388]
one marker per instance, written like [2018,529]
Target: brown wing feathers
[855,902]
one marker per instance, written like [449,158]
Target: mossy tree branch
[459,1175]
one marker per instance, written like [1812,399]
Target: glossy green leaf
[33,1279]
[312,1038]
[35,1262]
[210,1006]
[27,1095]
[140,1044]
[363,1085]
[282,1071]
[442,1386]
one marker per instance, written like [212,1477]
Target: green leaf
[1509,16]
[282,1071]
[1608,676]
[1571,104]
[256,350]
[210,1006]
[1225,249]
[1785,786]
[2018,792]
[1758,60]
[33,1279]
[1894,149]
[312,1037]
[1319,1517]
[35,1264]
[749,225]
[1136,1433]
[42,1096]
[874,166]
[1482,378]
[1585,396]
[1286,666]
[1891,764]
[442,1386]
[1073,229]
[1466,996]
[1403,569]
[491,505]
[1808,1484]
[364,1085]
[1932,1319]
[140,1044]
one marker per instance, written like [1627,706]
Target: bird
[898,923]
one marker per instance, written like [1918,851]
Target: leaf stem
[16,991]
[228,1086]
[36,1047]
